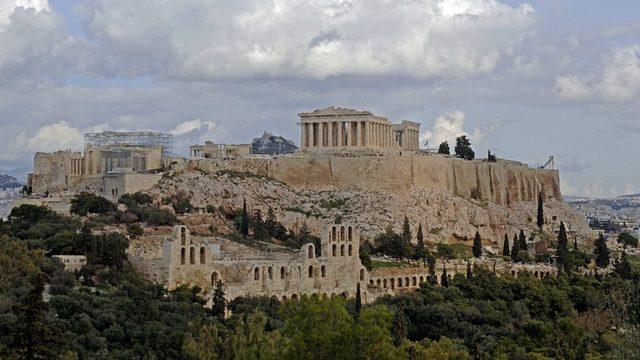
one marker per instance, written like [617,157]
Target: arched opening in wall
[341,233]
[334,251]
[284,297]
[294,297]
[384,283]
[310,251]
[535,274]
[192,256]
[341,250]
[345,294]
[406,281]
[183,256]
[399,282]
[333,234]
[378,283]
[323,271]
[202,255]
[513,273]
[214,278]
[350,233]
[415,281]
[371,282]
[310,271]
[270,272]
[361,274]
[350,250]
[421,279]
[282,273]
[393,283]
[256,274]
[449,276]
[183,235]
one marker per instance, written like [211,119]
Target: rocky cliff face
[443,215]
[503,183]
[269,144]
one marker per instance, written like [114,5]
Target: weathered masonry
[347,129]
[183,259]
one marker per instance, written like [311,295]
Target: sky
[525,80]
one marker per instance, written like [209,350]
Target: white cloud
[199,39]
[7,7]
[619,79]
[451,125]
[52,137]
[192,125]
[629,188]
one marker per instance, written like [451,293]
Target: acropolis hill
[377,170]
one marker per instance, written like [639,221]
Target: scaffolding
[135,138]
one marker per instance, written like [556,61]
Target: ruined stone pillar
[356,133]
[330,133]
[340,134]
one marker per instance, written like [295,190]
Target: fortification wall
[504,183]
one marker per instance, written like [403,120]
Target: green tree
[505,246]
[515,249]
[406,230]
[421,251]
[463,148]
[622,268]
[444,278]
[244,220]
[444,148]
[469,271]
[540,217]
[522,241]
[400,327]
[358,299]
[85,203]
[601,252]
[562,251]
[477,245]
[627,239]
[218,301]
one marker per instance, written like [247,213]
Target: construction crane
[549,162]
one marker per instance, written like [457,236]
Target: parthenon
[335,128]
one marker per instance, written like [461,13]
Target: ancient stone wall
[504,183]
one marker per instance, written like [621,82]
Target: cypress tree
[515,248]
[522,241]
[469,272]
[477,245]
[420,250]
[601,251]
[444,280]
[406,231]
[358,300]
[562,251]
[505,246]
[444,148]
[399,327]
[622,267]
[244,224]
[219,303]
[540,210]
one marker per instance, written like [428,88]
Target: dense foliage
[107,311]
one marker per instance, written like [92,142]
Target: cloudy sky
[524,79]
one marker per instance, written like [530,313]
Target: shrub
[85,203]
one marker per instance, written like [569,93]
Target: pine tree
[562,252]
[540,210]
[406,231]
[358,300]
[505,246]
[469,272]
[515,248]
[463,148]
[444,148]
[244,224]
[477,245]
[218,302]
[444,279]
[522,241]
[601,251]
